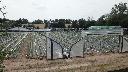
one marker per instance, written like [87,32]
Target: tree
[102,21]
[24,21]
[117,16]
[37,22]
[120,8]
[58,23]
[82,23]
[2,53]
[3,13]
[18,23]
[75,24]
[61,23]
[68,21]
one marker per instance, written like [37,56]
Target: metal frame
[87,33]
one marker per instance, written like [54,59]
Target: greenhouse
[65,43]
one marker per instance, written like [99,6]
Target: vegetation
[2,57]
[2,54]
[37,22]
[117,17]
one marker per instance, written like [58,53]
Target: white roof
[105,31]
[19,29]
[42,29]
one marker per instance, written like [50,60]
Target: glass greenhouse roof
[104,27]
[104,30]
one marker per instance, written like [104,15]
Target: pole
[51,49]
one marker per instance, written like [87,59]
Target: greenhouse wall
[76,43]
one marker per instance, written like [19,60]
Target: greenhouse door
[125,45]
[77,49]
[54,50]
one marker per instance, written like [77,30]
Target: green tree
[81,23]
[117,17]
[24,21]
[68,21]
[2,23]
[3,13]
[18,23]
[61,23]
[102,21]
[37,22]
[75,24]
[58,23]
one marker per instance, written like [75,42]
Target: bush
[2,57]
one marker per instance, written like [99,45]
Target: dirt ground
[96,63]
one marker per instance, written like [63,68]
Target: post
[51,49]
[84,46]
[121,43]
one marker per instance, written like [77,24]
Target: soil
[96,63]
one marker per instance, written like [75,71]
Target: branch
[2,11]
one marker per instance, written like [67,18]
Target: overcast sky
[52,9]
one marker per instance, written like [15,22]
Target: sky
[57,9]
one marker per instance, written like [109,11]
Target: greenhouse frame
[58,43]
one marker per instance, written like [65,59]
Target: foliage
[58,23]
[37,22]
[2,57]
[117,17]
